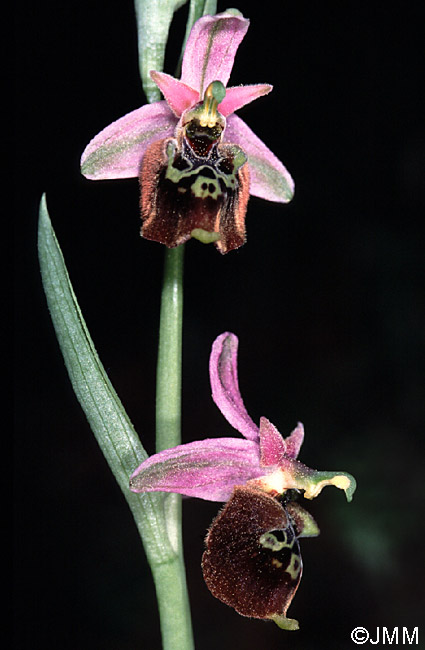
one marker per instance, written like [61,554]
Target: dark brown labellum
[192,182]
[252,560]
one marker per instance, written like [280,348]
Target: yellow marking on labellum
[214,94]
[342,482]
[294,566]
[268,540]
[276,563]
[204,187]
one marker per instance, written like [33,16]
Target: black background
[326,298]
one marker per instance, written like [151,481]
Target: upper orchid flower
[252,560]
[197,162]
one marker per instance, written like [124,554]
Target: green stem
[173,606]
[168,380]
[170,578]
[153,21]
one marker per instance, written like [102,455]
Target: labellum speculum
[252,560]
[193,185]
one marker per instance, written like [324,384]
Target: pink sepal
[207,469]
[211,49]
[225,386]
[117,151]
[270,180]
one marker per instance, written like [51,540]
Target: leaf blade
[153,22]
[106,415]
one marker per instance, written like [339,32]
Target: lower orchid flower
[252,560]
[197,162]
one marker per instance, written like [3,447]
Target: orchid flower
[196,160]
[252,560]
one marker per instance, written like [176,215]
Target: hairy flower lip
[245,565]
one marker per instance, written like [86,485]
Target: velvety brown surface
[239,569]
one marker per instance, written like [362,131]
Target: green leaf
[105,413]
[153,23]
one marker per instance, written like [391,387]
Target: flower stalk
[168,381]
[170,577]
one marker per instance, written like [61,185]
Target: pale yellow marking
[341,482]
[198,190]
[294,569]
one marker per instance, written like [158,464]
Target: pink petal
[294,441]
[269,178]
[207,469]
[238,96]
[179,96]
[272,445]
[117,151]
[211,49]
[225,387]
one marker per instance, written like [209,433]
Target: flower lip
[252,560]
